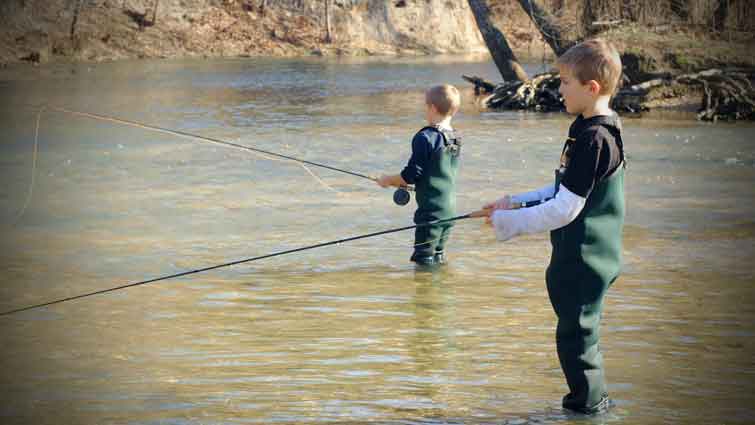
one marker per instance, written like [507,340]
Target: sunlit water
[347,333]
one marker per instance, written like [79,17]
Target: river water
[347,333]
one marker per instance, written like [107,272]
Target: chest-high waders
[436,200]
[586,260]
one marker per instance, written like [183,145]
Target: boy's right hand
[504,203]
[383,181]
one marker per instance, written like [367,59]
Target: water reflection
[431,341]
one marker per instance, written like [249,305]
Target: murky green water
[347,333]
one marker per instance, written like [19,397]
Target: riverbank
[37,33]
[40,32]
[651,51]
[669,67]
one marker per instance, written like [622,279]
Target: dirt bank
[41,31]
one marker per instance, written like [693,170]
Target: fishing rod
[401,197]
[232,263]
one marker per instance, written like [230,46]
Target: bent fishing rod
[399,199]
[205,138]
[233,263]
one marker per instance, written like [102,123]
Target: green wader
[430,243]
[586,260]
[436,200]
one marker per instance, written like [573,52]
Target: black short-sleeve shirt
[593,152]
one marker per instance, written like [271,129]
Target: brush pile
[722,94]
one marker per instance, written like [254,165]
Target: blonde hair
[445,98]
[597,60]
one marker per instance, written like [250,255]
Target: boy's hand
[384,181]
[392,180]
[501,204]
[484,212]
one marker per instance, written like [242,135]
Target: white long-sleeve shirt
[552,214]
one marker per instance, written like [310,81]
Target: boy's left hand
[484,212]
[504,203]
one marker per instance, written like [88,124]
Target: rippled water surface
[347,333]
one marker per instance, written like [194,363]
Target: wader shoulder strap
[451,140]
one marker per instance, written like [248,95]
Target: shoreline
[684,108]
[358,54]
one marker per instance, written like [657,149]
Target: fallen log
[540,93]
[723,94]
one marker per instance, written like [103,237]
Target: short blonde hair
[597,60]
[445,98]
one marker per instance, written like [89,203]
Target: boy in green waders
[432,169]
[584,211]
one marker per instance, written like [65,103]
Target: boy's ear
[594,86]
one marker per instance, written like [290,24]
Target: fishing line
[33,168]
[304,167]
[232,263]
[207,139]
[35,154]
[400,197]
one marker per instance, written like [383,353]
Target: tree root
[538,94]
[726,94]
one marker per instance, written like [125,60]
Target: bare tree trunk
[502,54]
[680,8]
[720,14]
[547,25]
[559,6]
[76,11]
[328,35]
[154,12]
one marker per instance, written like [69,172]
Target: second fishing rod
[245,260]
[401,196]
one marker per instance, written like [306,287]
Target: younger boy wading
[433,168]
[584,210]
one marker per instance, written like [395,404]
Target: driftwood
[538,94]
[726,95]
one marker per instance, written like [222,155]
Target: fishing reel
[402,196]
